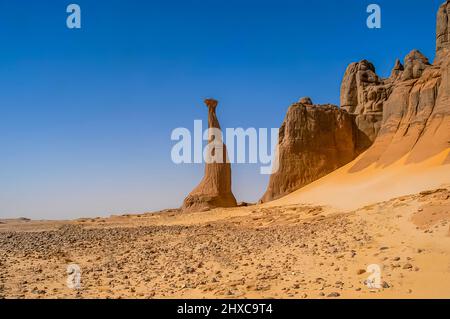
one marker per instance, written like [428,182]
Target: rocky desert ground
[294,251]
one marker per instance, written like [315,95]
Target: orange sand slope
[345,190]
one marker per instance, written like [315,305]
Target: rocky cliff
[443,32]
[313,141]
[404,116]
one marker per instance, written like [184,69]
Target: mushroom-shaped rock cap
[306,101]
[365,65]
[211,103]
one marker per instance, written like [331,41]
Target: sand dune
[346,190]
[298,251]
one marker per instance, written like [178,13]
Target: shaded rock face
[313,141]
[363,93]
[357,78]
[415,64]
[215,188]
[443,31]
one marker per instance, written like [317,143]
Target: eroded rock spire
[215,188]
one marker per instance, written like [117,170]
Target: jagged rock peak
[398,65]
[415,64]
[397,70]
[357,76]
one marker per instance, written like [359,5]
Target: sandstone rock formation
[363,93]
[215,188]
[443,32]
[416,116]
[404,116]
[397,71]
[313,141]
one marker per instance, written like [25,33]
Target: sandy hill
[345,189]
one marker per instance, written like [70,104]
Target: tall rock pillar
[215,188]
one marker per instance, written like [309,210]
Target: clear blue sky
[86,115]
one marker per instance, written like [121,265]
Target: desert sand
[289,251]
[345,189]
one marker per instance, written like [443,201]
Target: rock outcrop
[416,117]
[215,188]
[317,139]
[404,116]
[363,94]
[443,32]
[313,141]
[397,71]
